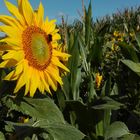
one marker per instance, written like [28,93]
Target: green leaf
[88,25]
[116,130]
[61,99]
[55,131]
[92,92]
[38,109]
[66,87]
[106,46]
[2,137]
[107,103]
[28,138]
[85,114]
[129,51]
[75,69]
[24,130]
[130,137]
[83,54]
[63,132]
[76,84]
[95,53]
[47,118]
[45,109]
[106,119]
[114,90]
[107,87]
[9,127]
[99,129]
[137,37]
[135,67]
[45,136]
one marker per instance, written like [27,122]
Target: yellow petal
[9,76]
[8,63]
[15,73]
[14,11]
[16,55]
[19,5]
[7,20]
[19,69]
[55,31]
[4,47]
[45,83]
[56,36]
[1,53]
[11,31]
[34,82]
[49,27]
[20,83]
[50,81]
[41,87]
[40,15]
[56,62]
[27,87]
[13,42]
[19,2]
[27,11]
[60,54]
[54,74]
[27,74]
[54,44]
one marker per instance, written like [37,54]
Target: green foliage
[119,130]
[100,98]
[133,66]
[44,117]
[2,137]
[116,130]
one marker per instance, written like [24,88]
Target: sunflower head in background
[32,49]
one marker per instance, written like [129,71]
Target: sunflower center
[40,48]
[37,47]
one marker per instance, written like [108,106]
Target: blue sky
[69,8]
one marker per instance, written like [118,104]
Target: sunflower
[32,50]
[98,80]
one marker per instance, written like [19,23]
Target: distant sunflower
[98,80]
[33,49]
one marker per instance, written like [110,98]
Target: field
[93,90]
